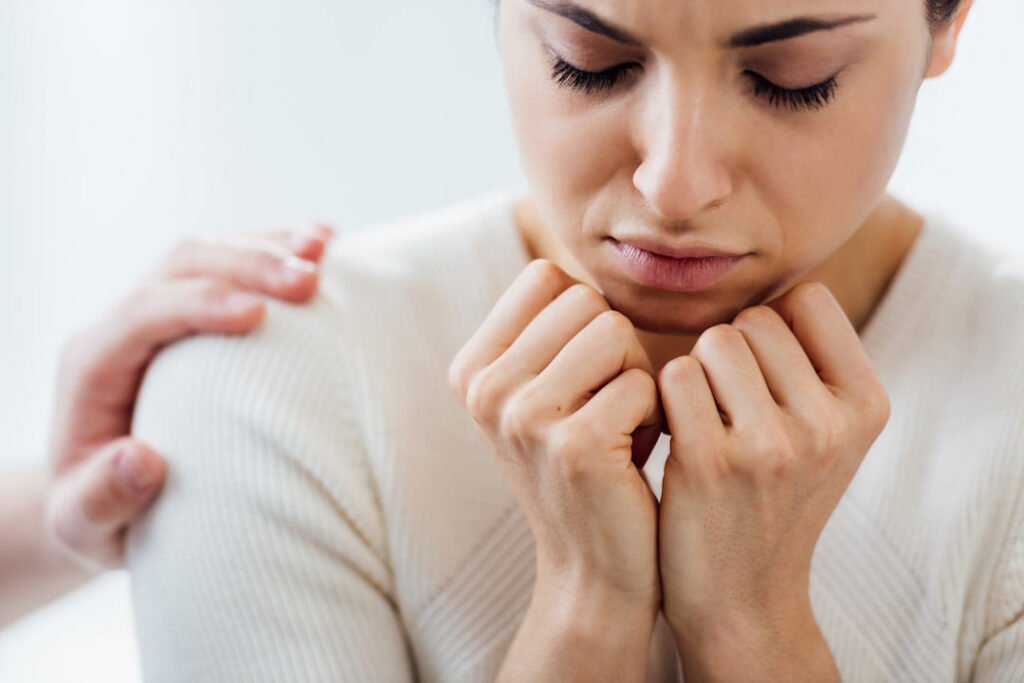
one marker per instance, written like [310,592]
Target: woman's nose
[682,170]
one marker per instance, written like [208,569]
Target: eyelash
[809,98]
[812,97]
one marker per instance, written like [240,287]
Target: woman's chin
[687,318]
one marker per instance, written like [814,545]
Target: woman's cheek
[821,173]
[565,146]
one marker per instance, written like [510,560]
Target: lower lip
[676,274]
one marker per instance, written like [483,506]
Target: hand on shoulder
[101,479]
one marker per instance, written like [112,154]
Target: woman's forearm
[785,646]
[571,634]
[33,571]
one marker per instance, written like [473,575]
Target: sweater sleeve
[265,556]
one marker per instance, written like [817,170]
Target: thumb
[90,505]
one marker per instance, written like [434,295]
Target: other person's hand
[101,479]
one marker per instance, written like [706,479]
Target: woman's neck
[858,273]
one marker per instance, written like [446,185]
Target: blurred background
[126,125]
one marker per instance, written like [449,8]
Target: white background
[128,124]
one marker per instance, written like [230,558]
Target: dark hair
[940,12]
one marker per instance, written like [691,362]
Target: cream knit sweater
[332,514]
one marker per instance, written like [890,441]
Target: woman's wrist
[580,632]
[781,644]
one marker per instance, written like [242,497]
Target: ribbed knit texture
[331,512]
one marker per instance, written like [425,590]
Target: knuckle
[457,378]
[827,436]
[482,394]
[642,381]
[809,292]
[512,423]
[518,424]
[717,337]
[678,370]
[544,271]
[58,525]
[567,443]
[83,362]
[782,465]
[772,455]
[615,322]
[875,407]
[527,405]
[884,408]
[769,443]
[211,293]
[584,296]
[756,317]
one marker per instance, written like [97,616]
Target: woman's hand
[100,478]
[559,385]
[770,418]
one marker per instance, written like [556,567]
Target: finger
[92,503]
[260,266]
[734,376]
[166,312]
[554,328]
[787,370]
[691,413]
[306,242]
[605,348]
[540,282]
[828,337]
[629,409]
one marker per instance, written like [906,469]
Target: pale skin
[761,378]
[65,523]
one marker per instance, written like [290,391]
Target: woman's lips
[697,269]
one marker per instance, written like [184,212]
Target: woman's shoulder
[946,342]
[457,239]
[980,265]
[423,280]
[429,278]
[977,321]
[955,292]
[984,291]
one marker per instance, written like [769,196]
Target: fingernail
[295,269]
[135,472]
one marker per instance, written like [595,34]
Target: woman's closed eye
[811,97]
[568,75]
[808,98]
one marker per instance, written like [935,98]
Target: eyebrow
[757,35]
[791,28]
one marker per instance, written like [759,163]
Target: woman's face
[683,140]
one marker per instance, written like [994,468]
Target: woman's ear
[944,42]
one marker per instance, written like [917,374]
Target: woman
[835,477]
[62,532]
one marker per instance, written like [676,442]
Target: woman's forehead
[726,23]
